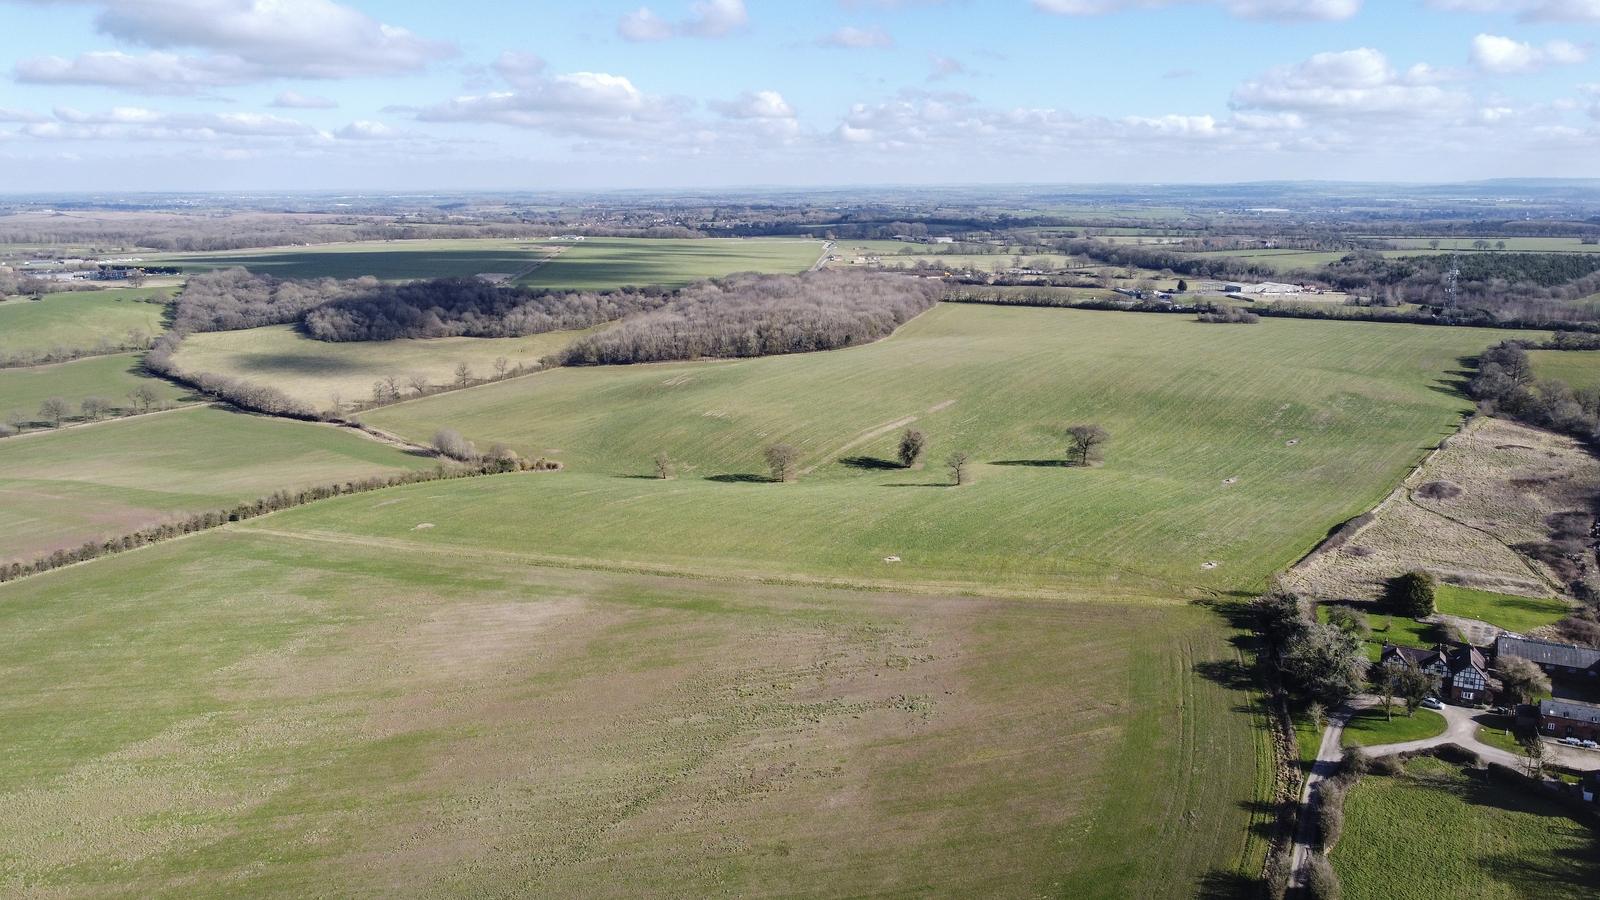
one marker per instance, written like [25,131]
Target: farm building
[1463,672]
[1265,288]
[1565,661]
[1569,718]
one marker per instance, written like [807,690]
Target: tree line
[760,315]
[468,307]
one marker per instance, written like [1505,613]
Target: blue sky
[405,95]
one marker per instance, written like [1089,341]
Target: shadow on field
[1455,381]
[868,462]
[1221,884]
[740,478]
[1035,463]
[921,484]
[295,362]
[1232,674]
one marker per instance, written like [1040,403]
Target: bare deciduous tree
[463,374]
[960,463]
[94,408]
[449,442]
[783,461]
[53,410]
[1086,443]
[144,396]
[500,366]
[663,466]
[418,382]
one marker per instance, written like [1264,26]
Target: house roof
[1466,655]
[1546,652]
[1570,709]
[1417,656]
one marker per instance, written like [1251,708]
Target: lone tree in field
[463,374]
[960,464]
[1183,286]
[1086,443]
[783,461]
[500,365]
[663,466]
[53,410]
[1413,593]
[1523,679]
[418,382]
[449,442]
[913,443]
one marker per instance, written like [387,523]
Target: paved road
[1461,727]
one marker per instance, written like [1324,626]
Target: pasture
[1234,450]
[604,263]
[1435,831]
[268,710]
[112,377]
[60,489]
[386,260]
[1579,369]
[314,371]
[592,264]
[79,320]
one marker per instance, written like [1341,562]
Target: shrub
[449,443]
[1388,765]
[1322,883]
[913,443]
[1330,812]
[1354,764]
[1413,593]
[1455,753]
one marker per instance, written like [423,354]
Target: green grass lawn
[1308,737]
[601,263]
[78,320]
[249,714]
[313,371]
[1580,369]
[107,377]
[1370,728]
[1391,629]
[60,489]
[1519,614]
[596,263]
[1201,469]
[1498,731]
[1435,832]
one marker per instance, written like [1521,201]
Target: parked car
[1572,742]
[1431,703]
[1589,745]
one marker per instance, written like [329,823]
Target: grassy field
[1370,728]
[1520,614]
[595,263]
[1234,451]
[260,711]
[313,371]
[391,260]
[1513,244]
[78,320]
[1435,832]
[107,377]
[600,263]
[60,489]
[1580,369]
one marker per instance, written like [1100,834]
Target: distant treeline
[1530,288]
[762,315]
[468,307]
[235,299]
[1150,257]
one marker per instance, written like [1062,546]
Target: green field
[1580,369]
[602,263]
[595,263]
[262,710]
[78,320]
[1519,614]
[110,377]
[313,371]
[1371,728]
[395,260]
[60,489]
[1513,244]
[1191,408]
[1434,832]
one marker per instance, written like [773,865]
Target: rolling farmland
[63,488]
[109,377]
[78,320]
[600,263]
[1234,450]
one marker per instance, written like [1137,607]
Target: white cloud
[151,73]
[1274,10]
[851,38]
[297,100]
[944,67]
[137,123]
[756,105]
[364,130]
[1506,56]
[589,104]
[247,40]
[706,19]
[1528,10]
[1357,82]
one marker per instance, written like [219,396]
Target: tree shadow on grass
[1035,463]
[740,478]
[1232,674]
[920,484]
[868,462]
[1222,884]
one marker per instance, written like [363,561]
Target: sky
[418,95]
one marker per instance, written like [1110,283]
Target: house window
[1466,695]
